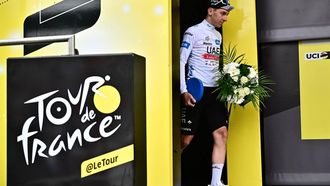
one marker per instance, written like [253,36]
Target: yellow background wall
[142,27]
[244,148]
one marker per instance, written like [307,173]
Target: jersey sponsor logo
[185,129]
[210,57]
[188,33]
[212,63]
[185,44]
[217,42]
[213,50]
[213,53]
[206,43]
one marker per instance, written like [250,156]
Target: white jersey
[200,48]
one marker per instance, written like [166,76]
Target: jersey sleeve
[185,50]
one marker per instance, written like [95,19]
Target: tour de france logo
[106,99]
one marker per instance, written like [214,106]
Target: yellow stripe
[107,161]
[244,148]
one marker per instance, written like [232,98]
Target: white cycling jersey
[200,48]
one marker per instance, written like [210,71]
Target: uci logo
[317,55]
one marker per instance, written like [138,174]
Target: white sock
[216,173]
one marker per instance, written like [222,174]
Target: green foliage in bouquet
[240,83]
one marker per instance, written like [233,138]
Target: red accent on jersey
[210,56]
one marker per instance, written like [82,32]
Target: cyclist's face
[218,16]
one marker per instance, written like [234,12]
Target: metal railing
[43,40]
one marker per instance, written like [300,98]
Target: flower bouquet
[240,83]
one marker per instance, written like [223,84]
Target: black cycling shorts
[208,111]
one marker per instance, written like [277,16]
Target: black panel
[31,77]
[280,62]
[290,20]
[191,12]
[288,160]
[64,18]
[176,93]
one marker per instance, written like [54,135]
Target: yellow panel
[142,27]
[244,148]
[10,19]
[314,73]
[44,4]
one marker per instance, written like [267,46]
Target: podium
[76,120]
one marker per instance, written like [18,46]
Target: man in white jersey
[200,51]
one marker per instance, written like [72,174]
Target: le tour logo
[106,100]
[317,55]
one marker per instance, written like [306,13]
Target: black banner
[76,121]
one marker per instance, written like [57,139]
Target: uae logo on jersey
[213,53]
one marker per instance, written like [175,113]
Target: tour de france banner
[314,69]
[76,120]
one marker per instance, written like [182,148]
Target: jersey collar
[208,25]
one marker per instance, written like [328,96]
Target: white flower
[235,78]
[241,92]
[232,69]
[253,73]
[246,90]
[230,66]
[234,72]
[244,80]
